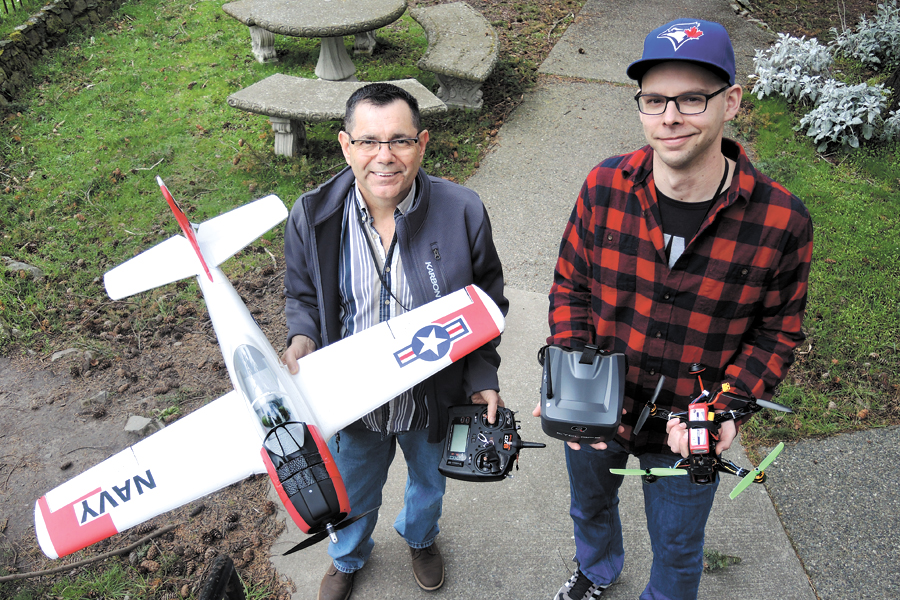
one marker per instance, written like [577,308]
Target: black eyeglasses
[398,146]
[687,104]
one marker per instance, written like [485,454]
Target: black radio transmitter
[477,450]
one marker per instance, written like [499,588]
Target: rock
[99,398]
[16,266]
[63,353]
[142,425]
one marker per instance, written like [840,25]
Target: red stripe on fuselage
[336,478]
[282,495]
[329,466]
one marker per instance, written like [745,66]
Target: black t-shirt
[680,222]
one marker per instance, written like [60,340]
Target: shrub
[891,127]
[798,69]
[843,113]
[875,43]
[792,67]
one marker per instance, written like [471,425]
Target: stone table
[329,20]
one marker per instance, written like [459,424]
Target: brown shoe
[428,567]
[336,585]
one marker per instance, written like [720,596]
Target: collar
[638,168]
[402,208]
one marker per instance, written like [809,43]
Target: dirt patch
[61,417]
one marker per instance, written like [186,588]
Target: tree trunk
[893,82]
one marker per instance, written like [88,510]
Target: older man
[380,238]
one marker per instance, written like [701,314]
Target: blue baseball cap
[694,40]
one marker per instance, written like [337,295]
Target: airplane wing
[345,381]
[218,445]
[211,448]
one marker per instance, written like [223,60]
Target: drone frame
[703,467]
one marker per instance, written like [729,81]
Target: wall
[45,30]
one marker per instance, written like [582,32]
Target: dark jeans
[676,510]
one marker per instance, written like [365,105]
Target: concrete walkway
[513,539]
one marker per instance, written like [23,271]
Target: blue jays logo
[681,33]
[433,342]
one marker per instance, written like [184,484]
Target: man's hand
[678,437]
[575,445]
[300,347]
[492,399]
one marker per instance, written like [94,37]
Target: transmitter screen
[458,438]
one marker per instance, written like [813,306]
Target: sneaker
[428,567]
[579,587]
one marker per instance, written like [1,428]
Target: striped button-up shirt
[733,301]
[365,301]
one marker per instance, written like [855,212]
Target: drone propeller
[329,531]
[750,477]
[646,411]
[761,403]
[658,472]
[774,406]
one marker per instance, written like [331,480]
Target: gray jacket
[445,244]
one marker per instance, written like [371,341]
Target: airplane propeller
[750,477]
[328,532]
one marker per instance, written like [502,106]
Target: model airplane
[703,464]
[272,422]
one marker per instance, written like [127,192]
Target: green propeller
[748,479]
[659,472]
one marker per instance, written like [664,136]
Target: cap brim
[639,68]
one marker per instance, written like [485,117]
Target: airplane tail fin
[203,246]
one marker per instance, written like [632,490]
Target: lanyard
[365,232]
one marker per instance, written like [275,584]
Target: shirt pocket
[732,291]
[616,259]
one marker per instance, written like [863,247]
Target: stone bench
[290,101]
[462,51]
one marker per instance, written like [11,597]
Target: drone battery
[698,437]
[582,394]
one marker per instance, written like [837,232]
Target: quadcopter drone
[703,464]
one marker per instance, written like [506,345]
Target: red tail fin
[183,223]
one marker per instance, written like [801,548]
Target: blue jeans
[676,510]
[363,461]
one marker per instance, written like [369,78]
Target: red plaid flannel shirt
[733,302]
